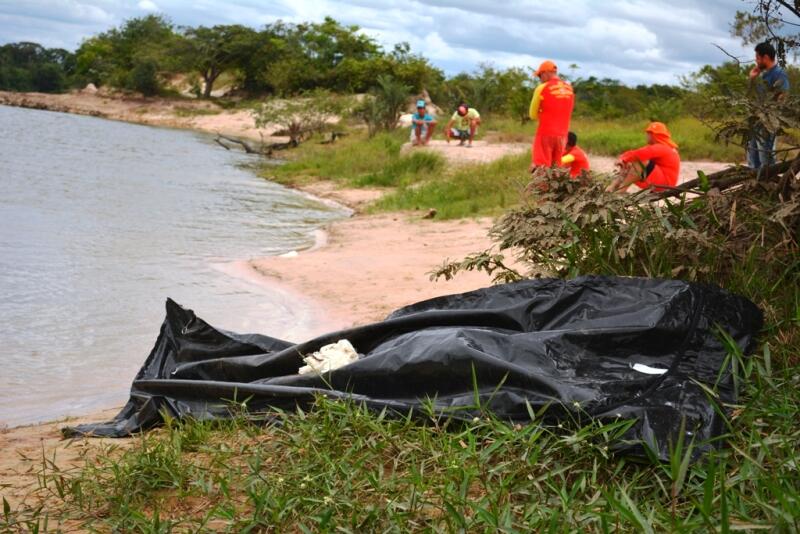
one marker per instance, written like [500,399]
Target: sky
[636,41]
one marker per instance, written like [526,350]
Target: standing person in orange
[574,157]
[551,105]
[656,165]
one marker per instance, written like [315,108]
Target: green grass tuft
[468,191]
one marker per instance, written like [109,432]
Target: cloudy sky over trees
[636,41]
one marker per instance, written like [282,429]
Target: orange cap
[546,66]
[661,133]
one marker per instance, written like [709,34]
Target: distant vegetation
[151,55]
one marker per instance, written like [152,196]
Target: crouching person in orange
[574,158]
[655,165]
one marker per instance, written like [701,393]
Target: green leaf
[705,185]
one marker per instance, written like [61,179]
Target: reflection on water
[100,221]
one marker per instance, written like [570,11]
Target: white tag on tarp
[646,369]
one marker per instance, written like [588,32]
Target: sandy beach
[367,266]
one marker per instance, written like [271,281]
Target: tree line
[150,54]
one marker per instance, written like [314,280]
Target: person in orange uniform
[574,157]
[551,105]
[655,165]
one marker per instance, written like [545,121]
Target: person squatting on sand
[422,125]
[656,165]
[574,158]
[552,104]
[463,125]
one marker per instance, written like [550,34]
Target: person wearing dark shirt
[771,82]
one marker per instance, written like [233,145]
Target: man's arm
[536,102]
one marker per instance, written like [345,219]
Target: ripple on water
[101,221]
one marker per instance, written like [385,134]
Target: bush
[383,109]
[144,78]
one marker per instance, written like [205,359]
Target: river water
[100,221]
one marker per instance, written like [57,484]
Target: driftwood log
[263,149]
[732,176]
[244,144]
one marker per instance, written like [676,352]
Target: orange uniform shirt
[576,160]
[552,105]
[667,164]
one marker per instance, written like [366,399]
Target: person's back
[775,79]
[551,105]
[576,159]
[555,110]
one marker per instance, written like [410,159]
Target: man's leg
[540,154]
[766,149]
[629,173]
[753,161]
[473,127]
[417,134]
[557,150]
[429,132]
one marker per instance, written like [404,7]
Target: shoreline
[344,276]
[185,114]
[358,269]
[338,245]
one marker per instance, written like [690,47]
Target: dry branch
[729,177]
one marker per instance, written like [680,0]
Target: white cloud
[637,41]
[147,5]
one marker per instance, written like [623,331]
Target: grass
[194,111]
[467,191]
[358,161]
[609,137]
[340,467]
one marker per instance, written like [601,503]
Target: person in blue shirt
[770,81]
[422,125]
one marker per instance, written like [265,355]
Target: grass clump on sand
[357,160]
[466,191]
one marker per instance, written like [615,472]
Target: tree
[29,66]
[300,117]
[145,42]
[212,51]
[770,20]
[382,110]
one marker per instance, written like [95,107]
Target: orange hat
[546,66]
[661,134]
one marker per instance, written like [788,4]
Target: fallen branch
[727,178]
[246,146]
[785,189]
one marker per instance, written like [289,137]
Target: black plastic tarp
[586,347]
